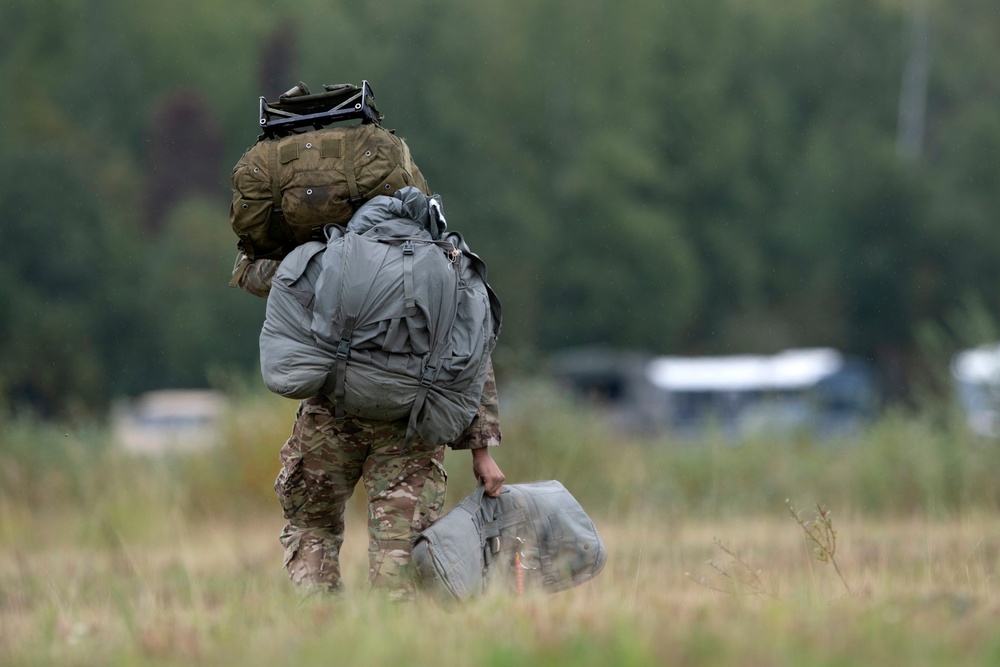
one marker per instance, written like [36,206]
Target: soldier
[324,459]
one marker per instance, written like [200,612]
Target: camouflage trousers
[322,462]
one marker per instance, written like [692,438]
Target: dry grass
[106,560]
[212,591]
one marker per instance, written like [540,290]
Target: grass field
[106,560]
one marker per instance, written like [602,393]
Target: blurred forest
[675,177]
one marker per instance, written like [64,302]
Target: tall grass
[904,465]
[907,463]
[112,559]
[214,594]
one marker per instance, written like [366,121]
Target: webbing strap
[352,181]
[426,380]
[495,527]
[439,331]
[272,170]
[408,299]
[343,352]
[472,502]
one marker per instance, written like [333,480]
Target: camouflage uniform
[253,277]
[323,461]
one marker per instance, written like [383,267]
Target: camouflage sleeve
[254,276]
[484,431]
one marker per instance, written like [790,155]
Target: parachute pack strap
[343,352]
[472,503]
[352,179]
[334,387]
[408,299]
[426,380]
[272,169]
[440,332]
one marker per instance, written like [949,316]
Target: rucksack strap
[439,334]
[351,303]
[408,300]
[352,180]
[343,352]
[426,380]
[272,168]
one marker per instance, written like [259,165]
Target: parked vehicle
[976,373]
[169,420]
[818,391]
[613,382]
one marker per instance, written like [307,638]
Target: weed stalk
[821,535]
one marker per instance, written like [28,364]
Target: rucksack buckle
[407,247]
[427,378]
[343,348]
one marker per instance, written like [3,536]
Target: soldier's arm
[486,471]
[483,433]
[254,276]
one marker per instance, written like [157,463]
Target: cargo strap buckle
[428,376]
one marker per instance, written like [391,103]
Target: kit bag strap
[272,169]
[439,332]
[352,181]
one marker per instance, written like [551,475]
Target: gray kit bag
[536,530]
[392,319]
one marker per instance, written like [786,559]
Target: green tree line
[678,177]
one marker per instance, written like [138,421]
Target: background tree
[680,178]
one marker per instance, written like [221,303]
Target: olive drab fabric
[286,189]
[392,319]
[533,537]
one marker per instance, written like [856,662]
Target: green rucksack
[303,174]
[391,319]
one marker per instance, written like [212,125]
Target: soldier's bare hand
[487,471]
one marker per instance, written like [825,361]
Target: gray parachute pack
[392,318]
[533,537]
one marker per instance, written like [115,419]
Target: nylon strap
[352,304]
[439,332]
[352,181]
[418,403]
[343,352]
[408,299]
[494,528]
[472,502]
[272,169]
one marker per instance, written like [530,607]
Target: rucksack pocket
[308,207]
[259,235]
